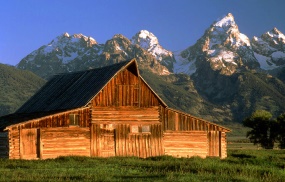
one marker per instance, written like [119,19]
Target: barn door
[102,140]
[107,142]
[29,143]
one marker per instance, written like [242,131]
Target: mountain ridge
[208,79]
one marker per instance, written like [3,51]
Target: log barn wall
[4,145]
[20,134]
[57,142]
[121,140]
[186,143]
[175,121]
[14,143]
[126,131]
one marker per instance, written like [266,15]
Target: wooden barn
[108,111]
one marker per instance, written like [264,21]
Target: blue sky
[28,24]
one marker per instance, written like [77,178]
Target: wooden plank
[65,141]
[185,144]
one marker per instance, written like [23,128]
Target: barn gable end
[109,111]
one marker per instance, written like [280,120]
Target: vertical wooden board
[123,141]
[210,143]
[117,140]
[28,143]
[92,140]
[217,143]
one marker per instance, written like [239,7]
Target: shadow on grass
[243,156]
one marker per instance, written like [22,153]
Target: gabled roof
[73,90]
[68,91]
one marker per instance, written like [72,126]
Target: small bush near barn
[241,165]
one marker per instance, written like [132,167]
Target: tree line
[266,130]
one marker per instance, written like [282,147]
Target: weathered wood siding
[126,89]
[185,143]
[223,145]
[125,114]
[126,131]
[59,120]
[120,140]
[125,103]
[4,145]
[56,142]
[14,143]
[178,121]
[22,137]
[29,143]
[215,135]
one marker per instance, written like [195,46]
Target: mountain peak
[65,34]
[145,39]
[275,33]
[226,21]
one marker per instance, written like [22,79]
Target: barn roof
[73,90]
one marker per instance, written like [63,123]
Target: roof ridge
[93,69]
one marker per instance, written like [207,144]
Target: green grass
[241,165]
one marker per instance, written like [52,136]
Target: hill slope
[16,86]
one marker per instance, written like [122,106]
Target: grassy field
[241,165]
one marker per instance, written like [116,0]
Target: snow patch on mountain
[269,49]
[265,62]
[183,65]
[222,55]
[278,55]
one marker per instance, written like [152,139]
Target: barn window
[107,126]
[134,129]
[145,129]
[74,119]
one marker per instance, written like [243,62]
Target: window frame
[74,119]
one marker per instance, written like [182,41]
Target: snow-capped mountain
[67,53]
[149,42]
[222,46]
[120,48]
[63,54]
[269,49]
